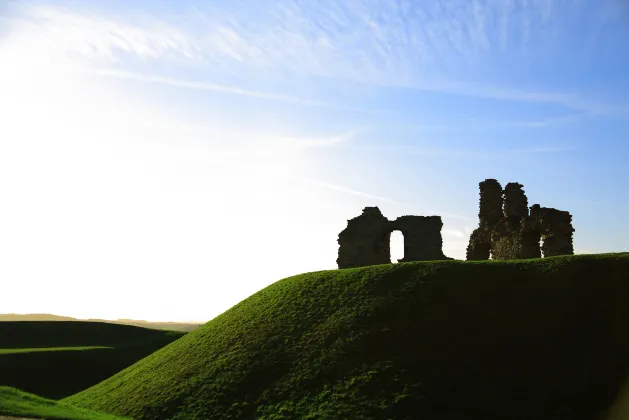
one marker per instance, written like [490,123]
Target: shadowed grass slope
[543,339]
[17,403]
[55,359]
[14,402]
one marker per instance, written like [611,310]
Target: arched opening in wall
[397,246]
[541,250]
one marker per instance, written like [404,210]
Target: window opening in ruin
[397,246]
[541,250]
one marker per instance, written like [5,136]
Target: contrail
[344,189]
[211,87]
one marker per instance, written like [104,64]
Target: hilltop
[170,326]
[542,338]
[55,359]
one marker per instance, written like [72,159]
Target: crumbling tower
[489,215]
[555,229]
[516,232]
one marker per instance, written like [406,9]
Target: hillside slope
[55,359]
[17,403]
[543,339]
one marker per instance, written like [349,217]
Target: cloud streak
[343,189]
[463,153]
[422,47]
[211,87]
[323,141]
[96,36]
[541,150]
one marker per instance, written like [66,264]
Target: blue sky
[156,145]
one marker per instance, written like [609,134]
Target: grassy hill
[531,339]
[55,359]
[170,326]
[17,403]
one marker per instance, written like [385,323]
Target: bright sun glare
[103,202]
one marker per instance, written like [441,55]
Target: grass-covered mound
[55,359]
[536,339]
[17,403]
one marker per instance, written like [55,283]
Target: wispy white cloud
[212,87]
[541,150]
[463,153]
[456,217]
[397,44]
[96,36]
[474,154]
[308,180]
[541,123]
[323,141]
[454,233]
[343,189]
[420,46]
[569,100]
[484,124]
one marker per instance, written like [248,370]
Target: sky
[164,160]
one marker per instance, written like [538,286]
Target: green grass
[532,339]
[32,350]
[14,402]
[55,359]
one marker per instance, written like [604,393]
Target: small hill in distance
[543,339]
[56,359]
[171,326]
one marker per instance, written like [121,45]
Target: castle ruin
[509,230]
[366,239]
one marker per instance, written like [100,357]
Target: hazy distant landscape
[172,326]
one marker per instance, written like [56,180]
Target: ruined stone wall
[366,239]
[505,242]
[507,229]
[491,203]
[555,227]
[517,232]
[479,247]
[515,203]
[530,236]
[422,237]
[489,215]
[507,235]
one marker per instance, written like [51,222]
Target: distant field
[55,359]
[17,403]
[33,350]
[170,326]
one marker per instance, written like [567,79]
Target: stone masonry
[366,239]
[508,230]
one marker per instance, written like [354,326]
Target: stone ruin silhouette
[366,239]
[507,230]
